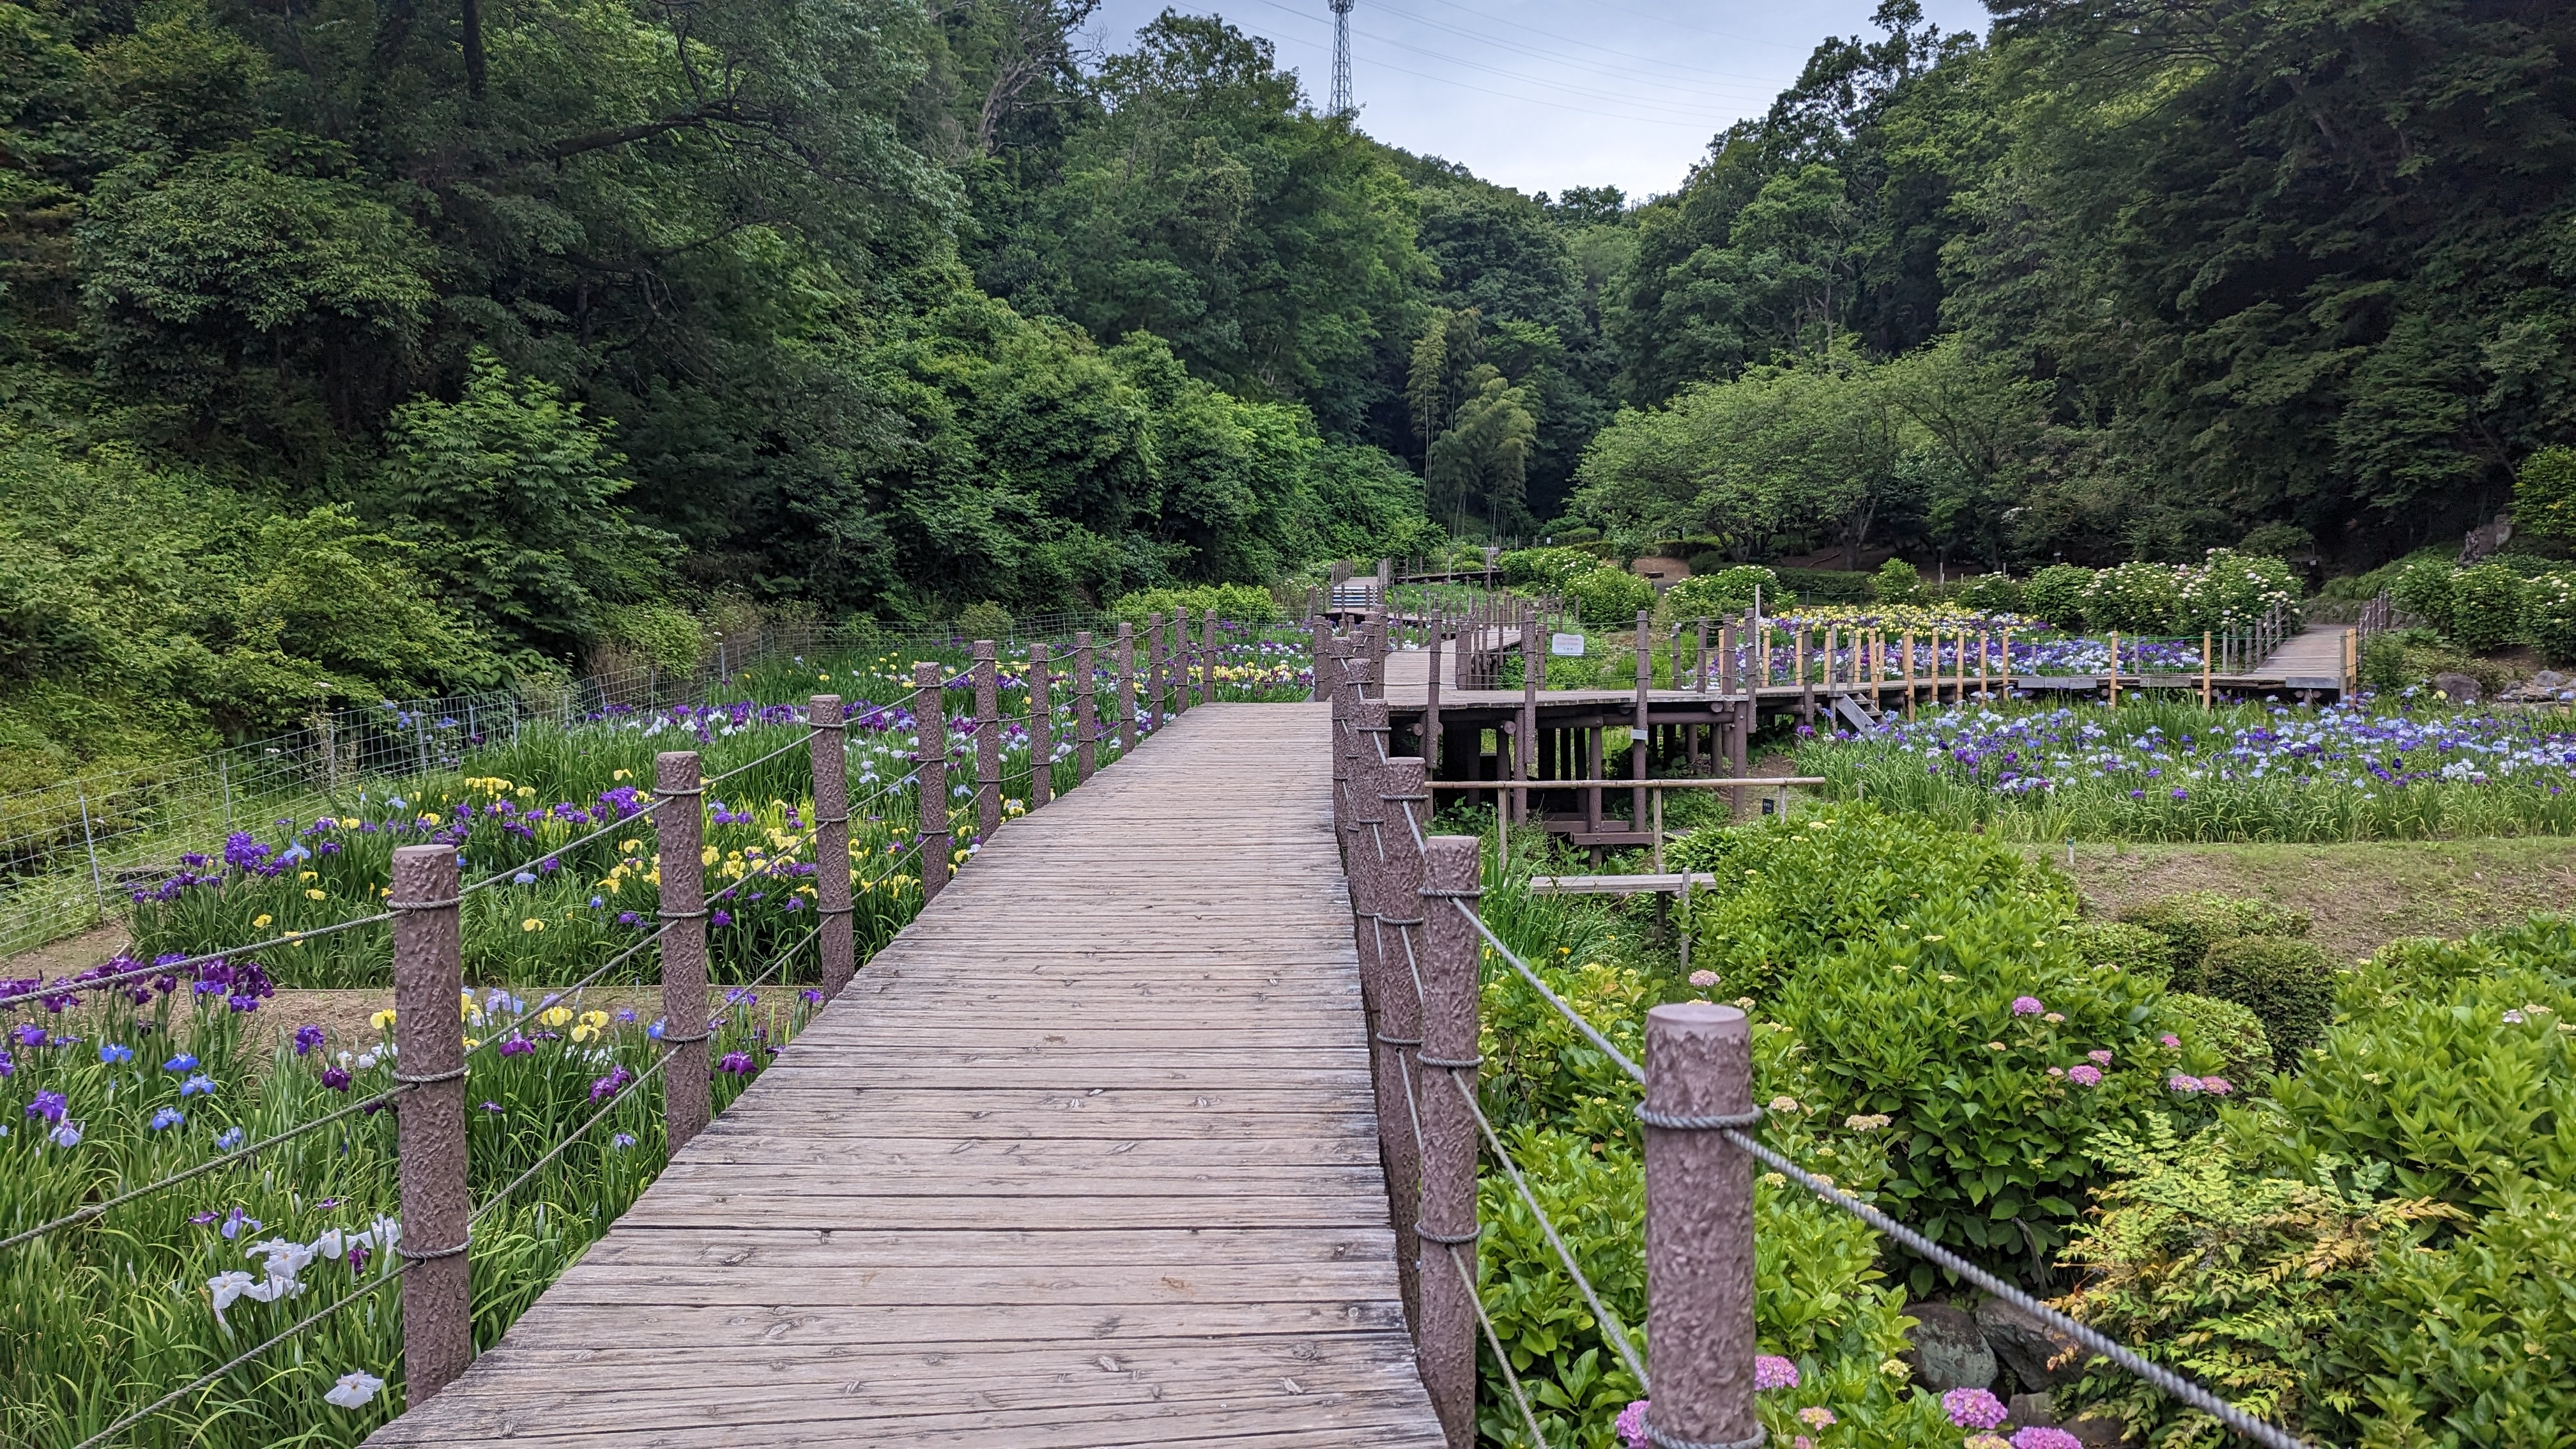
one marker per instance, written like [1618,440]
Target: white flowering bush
[2549,616]
[2135,598]
[2232,590]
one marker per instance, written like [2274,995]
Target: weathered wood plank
[1086,1157]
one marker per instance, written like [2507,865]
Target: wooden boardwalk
[1086,1157]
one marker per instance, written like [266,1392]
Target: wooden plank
[1087,1157]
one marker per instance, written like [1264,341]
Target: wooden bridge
[1087,1156]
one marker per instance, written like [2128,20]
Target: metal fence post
[679,820]
[930,756]
[832,840]
[1041,729]
[1446,1340]
[1126,689]
[1086,717]
[1207,658]
[1699,1223]
[1153,672]
[429,1118]
[224,783]
[988,742]
[1405,805]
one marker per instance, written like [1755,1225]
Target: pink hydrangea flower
[1703,979]
[1816,1416]
[2171,1041]
[1973,1408]
[2057,1071]
[2027,1006]
[2099,1056]
[2044,1436]
[1771,1371]
[2183,1084]
[2217,1086]
[1630,1426]
[2087,1075]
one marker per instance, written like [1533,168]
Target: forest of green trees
[354,349]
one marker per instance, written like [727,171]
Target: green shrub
[1235,603]
[2461,1092]
[2384,666]
[2486,607]
[1728,591]
[2122,947]
[2193,920]
[1971,1030]
[1896,582]
[2544,494]
[2229,1028]
[1827,586]
[2549,616]
[2416,966]
[2135,598]
[1790,889]
[2278,540]
[2056,594]
[2288,983]
[1547,568]
[1993,594]
[1610,598]
[2422,588]
[666,635]
[987,620]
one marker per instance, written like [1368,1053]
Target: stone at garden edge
[1946,1351]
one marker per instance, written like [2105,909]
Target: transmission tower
[1341,57]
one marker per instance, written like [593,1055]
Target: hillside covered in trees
[363,349]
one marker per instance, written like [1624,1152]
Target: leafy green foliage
[1793,890]
[2193,921]
[2544,493]
[2056,594]
[1548,568]
[2134,598]
[2549,616]
[2122,946]
[2423,588]
[1729,591]
[2288,983]
[1234,603]
[984,620]
[1995,593]
[1610,597]
[2486,607]
[2226,1027]
[1896,582]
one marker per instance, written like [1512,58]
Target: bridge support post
[1398,1042]
[832,841]
[1126,689]
[1207,658]
[1699,1223]
[1445,1340]
[930,758]
[1086,711]
[1041,729]
[438,1318]
[1153,672]
[679,819]
[988,742]
[1525,747]
[1178,680]
[1430,750]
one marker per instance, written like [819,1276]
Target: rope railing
[1702,1099]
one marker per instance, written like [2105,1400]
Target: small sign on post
[1565,646]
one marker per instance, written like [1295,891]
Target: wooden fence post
[679,819]
[832,841]
[1644,728]
[1398,1039]
[1126,689]
[1180,655]
[1364,867]
[438,1338]
[2204,669]
[988,741]
[930,760]
[1207,657]
[1699,1223]
[1153,673]
[1330,677]
[1446,1338]
[1041,729]
[1525,743]
[1086,712]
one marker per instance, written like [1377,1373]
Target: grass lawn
[2360,895]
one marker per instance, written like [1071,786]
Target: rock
[2549,679]
[2094,1431]
[2461,688]
[2029,1409]
[1946,1350]
[2028,1346]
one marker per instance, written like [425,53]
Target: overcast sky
[1546,94]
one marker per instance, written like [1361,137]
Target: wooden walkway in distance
[2311,659]
[1086,1157]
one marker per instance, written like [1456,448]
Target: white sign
[1565,646]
